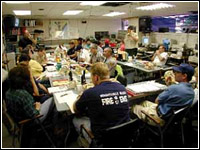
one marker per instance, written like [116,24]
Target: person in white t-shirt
[83,55]
[61,50]
[160,56]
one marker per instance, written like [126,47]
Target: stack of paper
[149,86]
[52,74]
[51,68]
[68,97]
[60,82]
[57,89]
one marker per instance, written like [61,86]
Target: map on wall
[60,29]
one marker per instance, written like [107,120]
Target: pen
[64,95]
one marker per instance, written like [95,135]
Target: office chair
[175,117]
[120,136]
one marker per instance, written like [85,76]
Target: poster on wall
[60,29]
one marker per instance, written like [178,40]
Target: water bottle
[70,75]
[83,79]
[134,59]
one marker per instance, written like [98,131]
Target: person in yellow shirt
[36,68]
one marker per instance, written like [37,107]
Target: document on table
[51,68]
[149,86]
[52,74]
[68,97]
[57,89]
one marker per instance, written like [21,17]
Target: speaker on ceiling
[145,24]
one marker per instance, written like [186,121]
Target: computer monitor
[166,43]
[16,22]
[145,40]
[113,36]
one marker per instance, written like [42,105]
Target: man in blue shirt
[176,96]
[105,105]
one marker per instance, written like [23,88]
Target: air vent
[115,4]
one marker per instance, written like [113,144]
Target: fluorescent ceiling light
[14,2]
[95,3]
[72,12]
[114,14]
[22,12]
[155,6]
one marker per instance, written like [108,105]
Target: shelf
[33,26]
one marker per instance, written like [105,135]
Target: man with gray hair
[109,60]
[96,56]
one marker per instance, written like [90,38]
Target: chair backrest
[177,115]
[121,135]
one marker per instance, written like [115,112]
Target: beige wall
[113,26]
[87,29]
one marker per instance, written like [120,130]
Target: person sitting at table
[61,50]
[160,56]
[196,91]
[96,56]
[106,104]
[79,45]
[106,43]
[122,46]
[169,77]
[41,56]
[20,104]
[110,61]
[99,49]
[72,51]
[36,89]
[83,55]
[35,66]
[87,44]
[175,96]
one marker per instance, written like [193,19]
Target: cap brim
[177,69]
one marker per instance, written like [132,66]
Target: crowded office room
[99,74]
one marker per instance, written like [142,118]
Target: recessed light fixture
[72,12]
[114,14]
[22,12]
[155,6]
[19,2]
[96,3]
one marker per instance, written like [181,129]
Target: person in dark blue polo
[175,96]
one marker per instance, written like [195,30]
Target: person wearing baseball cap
[175,96]
[184,69]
